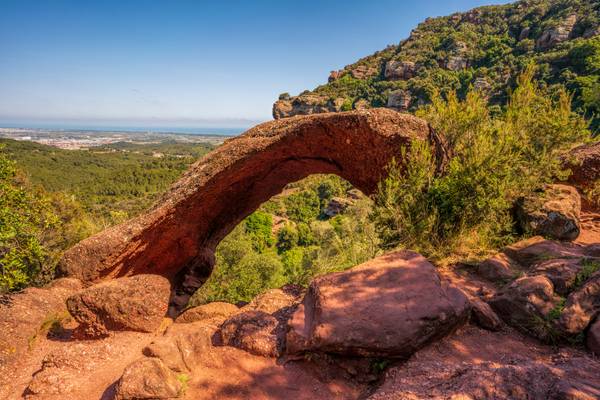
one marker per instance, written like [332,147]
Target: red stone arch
[184,227]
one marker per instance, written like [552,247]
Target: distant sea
[219,131]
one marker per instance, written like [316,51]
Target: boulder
[399,100]
[255,332]
[387,307]
[148,378]
[557,34]
[593,338]
[584,163]
[536,249]
[499,268]
[274,300]
[526,304]
[483,315]
[399,70]
[184,347]
[561,271]
[207,311]
[136,303]
[582,306]
[553,213]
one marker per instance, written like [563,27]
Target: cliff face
[484,48]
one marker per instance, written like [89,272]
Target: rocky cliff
[484,48]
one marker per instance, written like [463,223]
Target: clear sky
[184,63]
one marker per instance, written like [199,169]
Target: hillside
[485,48]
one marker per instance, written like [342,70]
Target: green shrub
[496,159]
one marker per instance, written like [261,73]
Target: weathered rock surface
[553,213]
[593,338]
[148,378]
[136,303]
[305,104]
[399,70]
[399,100]
[536,249]
[526,303]
[207,311]
[26,315]
[183,346]
[255,332]
[584,163]
[274,301]
[184,227]
[498,268]
[390,306]
[483,315]
[582,306]
[552,36]
[561,271]
[475,364]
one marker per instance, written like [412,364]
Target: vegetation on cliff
[485,48]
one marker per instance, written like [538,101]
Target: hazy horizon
[214,64]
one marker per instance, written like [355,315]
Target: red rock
[498,268]
[148,378]
[584,163]
[537,249]
[484,316]
[255,332]
[136,303]
[207,311]
[182,230]
[582,306]
[389,306]
[525,301]
[593,338]
[562,272]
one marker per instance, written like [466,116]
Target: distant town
[84,139]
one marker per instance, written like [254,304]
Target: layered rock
[560,33]
[553,213]
[390,306]
[305,104]
[399,70]
[182,230]
[136,303]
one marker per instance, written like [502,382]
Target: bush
[26,217]
[496,159]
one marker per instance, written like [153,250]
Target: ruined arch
[184,227]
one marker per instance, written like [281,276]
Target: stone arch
[184,227]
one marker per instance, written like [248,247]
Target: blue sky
[184,63]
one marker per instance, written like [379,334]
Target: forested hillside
[485,48]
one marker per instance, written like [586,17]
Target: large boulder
[498,268]
[136,303]
[536,249]
[148,378]
[553,213]
[399,70]
[389,306]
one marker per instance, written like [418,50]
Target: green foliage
[589,268]
[26,217]
[259,226]
[496,159]
[287,238]
[303,206]
[497,43]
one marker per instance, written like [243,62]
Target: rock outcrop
[182,230]
[553,213]
[552,36]
[390,306]
[399,70]
[584,163]
[136,303]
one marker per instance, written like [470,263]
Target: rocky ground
[523,324]
[392,328]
